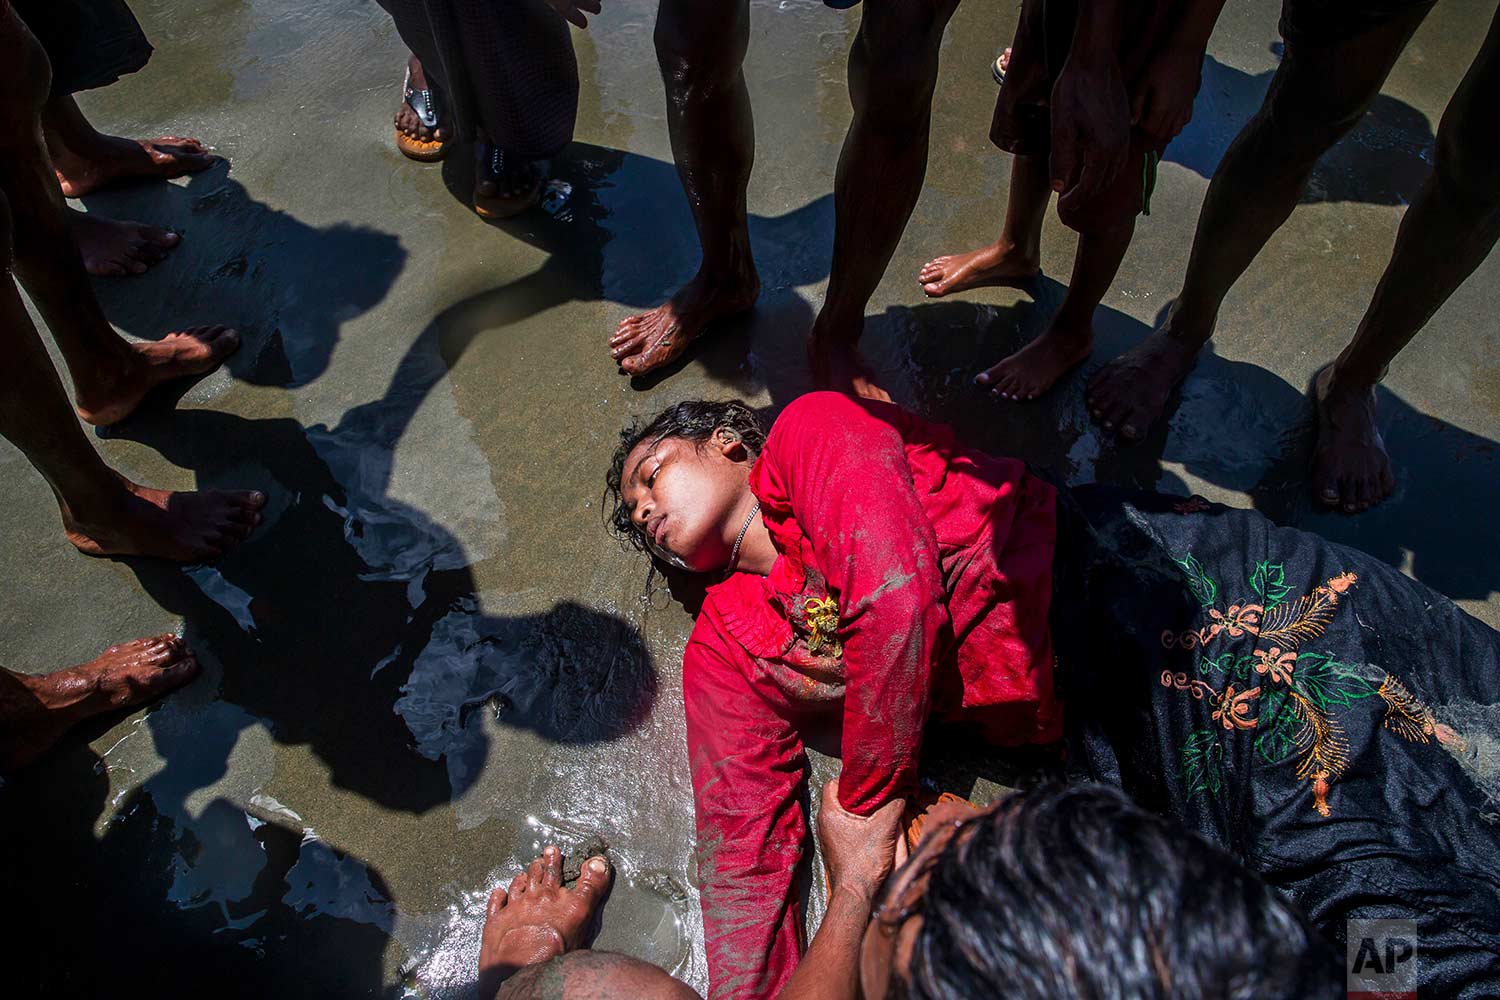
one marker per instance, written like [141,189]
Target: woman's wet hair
[1073,891]
[693,420]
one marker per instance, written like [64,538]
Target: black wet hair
[693,420]
[1074,891]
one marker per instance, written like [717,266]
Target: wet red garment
[939,559]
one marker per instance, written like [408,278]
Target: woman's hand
[860,852]
[573,10]
[1163,102]
[1090,127]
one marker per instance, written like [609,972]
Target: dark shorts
[1304,705]
[1328,22]
[1023,121]
[90,43]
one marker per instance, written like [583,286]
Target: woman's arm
[851,490]
[748,767]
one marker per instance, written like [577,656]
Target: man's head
[1076,892]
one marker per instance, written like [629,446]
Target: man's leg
[893,69]
[1318,94]
[1447,232]
[86,159]
[1017,255]
[701,47]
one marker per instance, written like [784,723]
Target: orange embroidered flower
[1232,710]
[1276,663]
[1342,582]
[1239,619]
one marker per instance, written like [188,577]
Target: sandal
[503,170]
[424,106]
[1001,64]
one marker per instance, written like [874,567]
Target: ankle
[1023,250]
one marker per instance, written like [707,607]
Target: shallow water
[431,661]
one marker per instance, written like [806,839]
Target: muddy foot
[536,918]
[1351,470]
[117,389]
[643,343]
[112,249]
[839,366]
[182,527]
[1128,395]
[35,712]
[1034,369]
[117,159]
[996,264]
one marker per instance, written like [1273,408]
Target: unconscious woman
[1304,706]
[499,75]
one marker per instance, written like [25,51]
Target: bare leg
[893,69]
[1446,233]
[1069,339]
[110,375]
[701,48]
[86,159]
[1316,97]
[1017,255]
[35,711]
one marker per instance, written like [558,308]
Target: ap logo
[1381,960]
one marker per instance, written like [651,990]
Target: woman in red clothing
[878,576]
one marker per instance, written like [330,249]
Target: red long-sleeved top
[939,559]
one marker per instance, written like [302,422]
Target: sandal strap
[420,101]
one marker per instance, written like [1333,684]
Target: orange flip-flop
[500,207]
[914,818]
[424,106]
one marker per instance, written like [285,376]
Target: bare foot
[117,388]
[1127,395]
[1351,470]
[420,134]
[1034,369]
[839,366]
[35,712]
[182,527]
[653,339]
[537,919]
[996,264]
[114,249]
[116,159]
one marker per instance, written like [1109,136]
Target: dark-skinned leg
[110,375]
[701,47]
[1069,338]
[1017,255]
[1318,94]
[86,159]
[893,67]
[1446,233]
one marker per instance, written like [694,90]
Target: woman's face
[686,498]
[885,951]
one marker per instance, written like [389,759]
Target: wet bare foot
[537,919]
[35,711]
[116,389]
[1034,369]
[653,339]
[424,139]
[996,264]
[839,366]
[113,249]
[115,159]
[182,527]
[1127,395]
[1351,470]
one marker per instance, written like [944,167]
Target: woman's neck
[757,554]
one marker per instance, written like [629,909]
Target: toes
[158,237]
[498,898]
[179,672]
[594,879]
[536,875]
[552,861]
[518,884]
[988,376]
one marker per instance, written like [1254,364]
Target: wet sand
[431,659]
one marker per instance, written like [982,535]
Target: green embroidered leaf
[1202,763]
[1278,727]
[1269,581]
[1327,683]
[1198,581]
[1236,665]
